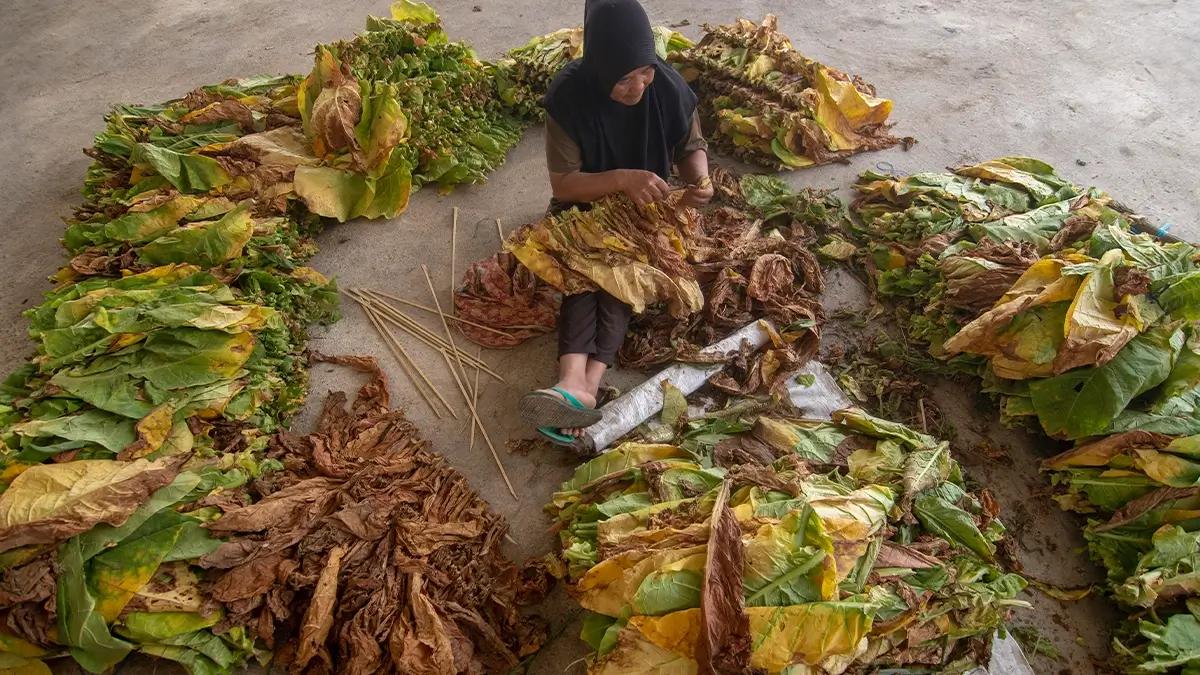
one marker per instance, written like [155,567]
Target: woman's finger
[661,187]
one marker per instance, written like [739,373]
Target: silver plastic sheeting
[639,404]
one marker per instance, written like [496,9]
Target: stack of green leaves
[95,556]
[525,75]
[171,348]
[1139,492]
[1008,271]
[1040,287]
[769,105]
[764,543]
[397,107]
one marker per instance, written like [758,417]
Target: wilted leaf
[1084,402]
[950,522]
[48,503]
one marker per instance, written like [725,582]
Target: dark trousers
[594,324]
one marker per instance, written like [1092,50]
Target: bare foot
[585,397]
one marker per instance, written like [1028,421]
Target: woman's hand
[643,187]
[698,195]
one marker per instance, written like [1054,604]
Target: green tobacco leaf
[594,629]
[103,537]
[623,457]
[1084,402]
[207,244]
[1181,296]
[157,626]
[837,248]
[882,464]
[415,12]
[784,566]
[858,420]
[120,572]
[1109,490]
[92,426]
[951,523]
[674,409]
[806,439]
[194,662]
[665,591]
[80,626]
[1173,644]
[170,359]
[1035,227]
[808,633]
[188,173]
[1160,260]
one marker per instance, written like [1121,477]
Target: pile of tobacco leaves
[365,539]
[766,543]
[766,103]
[703,275]
[398,107]
[525,74]
[760,99]
[144,506]
[1081,328]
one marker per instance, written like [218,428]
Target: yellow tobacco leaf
[610,585]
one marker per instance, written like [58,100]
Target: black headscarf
[616,40]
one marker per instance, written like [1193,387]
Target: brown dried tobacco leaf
[319,617]
[976,293]
[743,273]
[390,558]
[725,628]
[501,293]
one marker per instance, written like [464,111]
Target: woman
[619,118]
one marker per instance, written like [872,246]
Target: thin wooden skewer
[470,404]
[404,365]
[475,396]
[431,310]
[453,254]
[500,231]
[406,323]
[406,361]
[446,327]
[373,309]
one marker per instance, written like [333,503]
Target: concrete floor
[1107,92]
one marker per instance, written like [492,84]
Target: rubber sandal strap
[556,436]
[569,398]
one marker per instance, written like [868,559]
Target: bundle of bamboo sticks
[386,311]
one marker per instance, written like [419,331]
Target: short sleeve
[694,140]
[562,154]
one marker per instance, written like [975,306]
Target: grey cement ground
[1106,91]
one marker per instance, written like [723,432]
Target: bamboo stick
[500,231]
[404,365]
[431,310]
[470,403]
[406,361]
[453,252]
[446,327]
[411,326]
[372,309]
[475,398]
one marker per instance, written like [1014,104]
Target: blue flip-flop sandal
[543,408]
[557,437]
